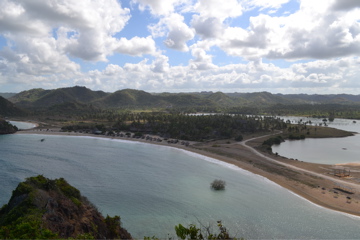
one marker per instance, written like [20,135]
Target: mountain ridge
[125,98]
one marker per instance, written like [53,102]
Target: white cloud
[160,64]
[264,4]
[136,46]
[44,37]
[160,7]
[220,10]
[201,61]
[208,27]
[176,31]
[345,5]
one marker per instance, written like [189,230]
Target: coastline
[320,192]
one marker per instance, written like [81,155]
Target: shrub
[218,184]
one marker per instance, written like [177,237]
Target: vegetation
[218,184]
[193,232]
[9,109]
[6,127]
[77,101]
[184,126]
[41,208]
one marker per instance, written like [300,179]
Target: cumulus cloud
[207,27]
[160,7]
[176,31]
[344,5]
[136,46]
[41,40]
[216,9]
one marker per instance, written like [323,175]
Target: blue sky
[279,46]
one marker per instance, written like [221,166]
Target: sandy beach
[314,182]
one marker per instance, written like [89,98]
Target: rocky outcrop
[7,128]
[44,208]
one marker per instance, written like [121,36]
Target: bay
[153,188]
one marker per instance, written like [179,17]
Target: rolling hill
[81,98]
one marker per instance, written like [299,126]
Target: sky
[278,46]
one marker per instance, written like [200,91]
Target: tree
[193,232]
[218,184]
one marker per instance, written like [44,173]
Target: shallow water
[153,188]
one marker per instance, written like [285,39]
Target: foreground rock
[42,208]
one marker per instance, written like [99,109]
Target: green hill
[128,98]
[81,100]
[41,208]
[9,109]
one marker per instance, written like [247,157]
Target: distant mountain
[186,100]
[222,99]
[81,98]
[128,98]
[7,108]
[317,99]
[40,98]
[7,95]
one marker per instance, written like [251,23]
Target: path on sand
[338,181]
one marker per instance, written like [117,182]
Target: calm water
[327,151]
[153,188]
[23,125]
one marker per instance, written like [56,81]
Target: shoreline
[241,157]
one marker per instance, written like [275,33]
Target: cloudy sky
[279,46]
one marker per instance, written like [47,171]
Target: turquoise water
[153,188]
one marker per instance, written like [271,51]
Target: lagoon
[325,151]
[153,188]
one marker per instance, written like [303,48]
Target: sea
[153,188]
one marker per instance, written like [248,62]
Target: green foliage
[113,224]
[67,189]
[273,140]
[193,232]
[27,227]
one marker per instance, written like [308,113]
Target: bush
[218,184]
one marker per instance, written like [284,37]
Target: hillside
[9,109]
[7,95]
[41,208]
[7,128]
[82,100]
[128,98]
